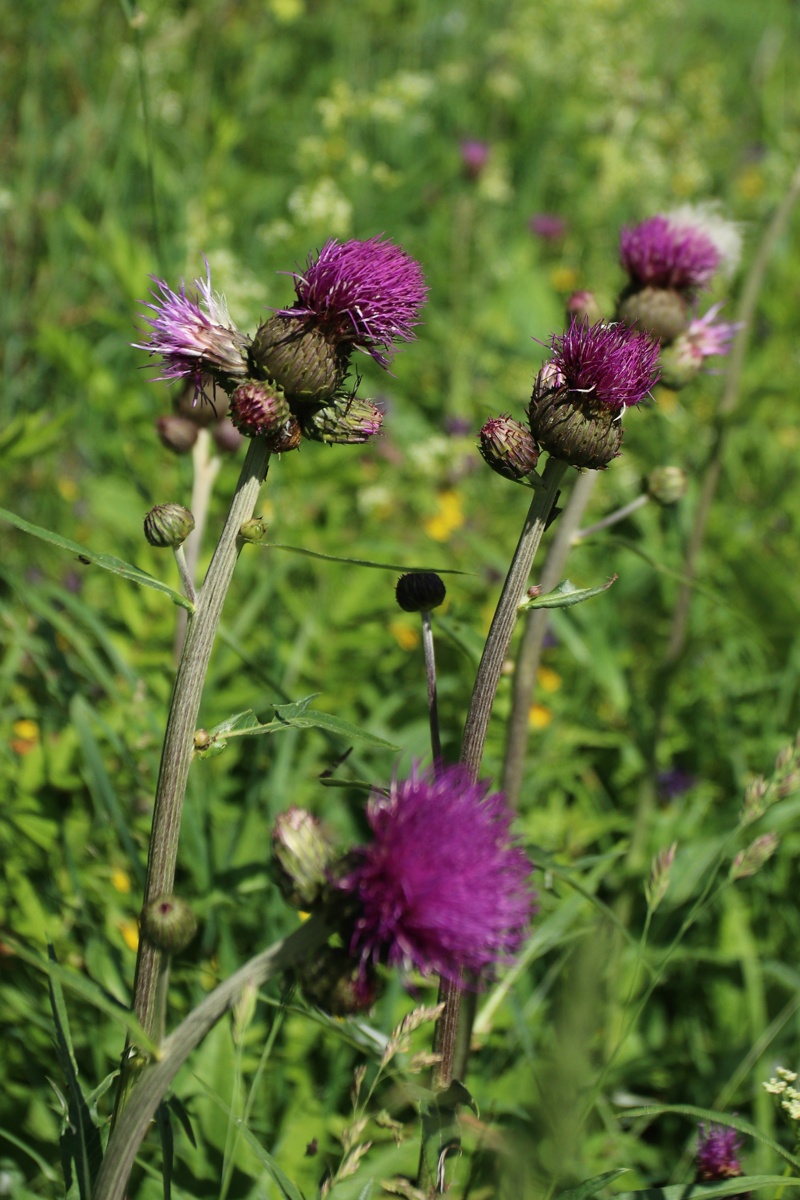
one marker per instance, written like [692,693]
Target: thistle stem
[430,673]
[176,755]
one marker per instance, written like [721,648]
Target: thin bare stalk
[613,518]
[530,649]
[430,674]
[727,406]
[176,755]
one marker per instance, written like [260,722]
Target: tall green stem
[477,724]
[176,755]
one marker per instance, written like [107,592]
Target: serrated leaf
[109,562]
[590,1187]
[565,595]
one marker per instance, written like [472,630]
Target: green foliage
[143,138]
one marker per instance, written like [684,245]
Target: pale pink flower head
[193,337]
[441,887]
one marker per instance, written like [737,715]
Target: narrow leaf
[719,1118]
[108,562]
[167,1148]
[296,716]
[590,1187]
[741,1185]
[404,569]
[565,595]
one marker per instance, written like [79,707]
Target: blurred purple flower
[669,252]
[705,336]
[717,1153]
[457,426]
[365,294]
[673,782]
[442,886]
[610,363]
[474,156]
[547,226]
[192,337]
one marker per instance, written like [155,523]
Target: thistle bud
[508,448]
[178,434]
[583,306]
[349,424]
[226,436]
[420,591]
[338,984]
[258,408]
[679,364]
[667,485]
[298,357]
[301,857]
[169,924]
[662,312]
[168,525]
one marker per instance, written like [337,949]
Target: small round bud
[226,436]
[301,857]
[662,312]
[202,403]
[253,530]
[338,984]
[350,423]
[168,525]
[679,364]
[420,591]
[202,739]
[298,357]
[508,448]
[667,485]
[258,408]
[169,924]
[583,306]
[178,434]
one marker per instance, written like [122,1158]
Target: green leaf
[719,1118]
[565,595]
[295,716]
[590,1187]
[108,562]
[741,1185]
[403,568]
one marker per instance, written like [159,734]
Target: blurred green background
[137,140]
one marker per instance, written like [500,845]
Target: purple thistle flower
[441,887]
[717,1152]
[706,336]
[194,338]
[547,226]
[474,156]
[364,294]
[669,252]
[609,363]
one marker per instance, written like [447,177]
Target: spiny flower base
[585,436]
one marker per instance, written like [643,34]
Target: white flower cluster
[781,1085]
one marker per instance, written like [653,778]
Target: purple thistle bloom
[613,364]
[705,336]
[474,156]
[194,338]
[364,294]
[547,226]
[442,886]
[717,1152]
[669,252]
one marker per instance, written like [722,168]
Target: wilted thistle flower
[717,1153]
[193,338]
[420,591]
[594,373]
[441,887]
[508,448]
[682,361]
[356,295]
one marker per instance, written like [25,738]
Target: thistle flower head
[682,361]
[609,364]
[669,252]
[441,887]
[194,337]
[365,294]
[717,1152]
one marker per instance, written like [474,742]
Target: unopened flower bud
[420,591]
[667,485]
[298,357]
[301,856]
[169,924]
[178,434]
[508,448]
[253,530]
[349,423]
[661,312]
[226,436]
[583,306]
[752,858]
[258,409]
[338,984]
[202,739]
[168,525]
[202,402]
[679,364]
